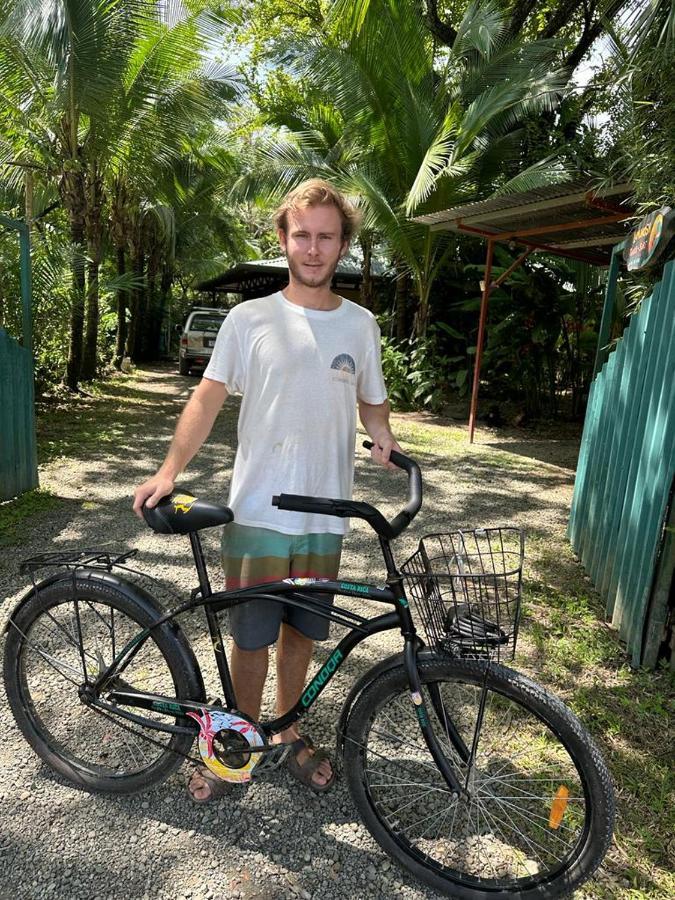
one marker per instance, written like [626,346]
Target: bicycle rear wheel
[67,633]
[536,818]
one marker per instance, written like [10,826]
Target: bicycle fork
[435,749]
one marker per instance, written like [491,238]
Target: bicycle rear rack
[77,558]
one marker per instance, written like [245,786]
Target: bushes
[539,349]
[416,373]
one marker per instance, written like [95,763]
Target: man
[302,359]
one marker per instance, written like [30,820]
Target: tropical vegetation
[148,142]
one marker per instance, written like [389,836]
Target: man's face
[313,244]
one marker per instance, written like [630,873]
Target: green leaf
[443,326]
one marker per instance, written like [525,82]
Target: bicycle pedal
[271,760]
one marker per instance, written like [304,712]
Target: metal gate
[18,456]
[18,452]
[623,490]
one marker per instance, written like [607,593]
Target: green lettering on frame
[322,678]
[163,706]
[357,588]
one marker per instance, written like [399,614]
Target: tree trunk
[401,307]
[89,357]
[73,197]
[165,298]
[151,326]
[366,290]
[137,303]
[77,303]
[94,213]
[421,319]
[121,309]
[150,329]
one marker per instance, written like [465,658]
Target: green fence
[623,490]
[18,456]
[18,462]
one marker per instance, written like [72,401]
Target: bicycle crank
[227,743]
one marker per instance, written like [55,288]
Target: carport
[259,277]
[576,220]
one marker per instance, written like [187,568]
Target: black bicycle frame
[290,593]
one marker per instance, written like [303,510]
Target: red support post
[481,337]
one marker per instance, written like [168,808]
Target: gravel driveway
[273,839]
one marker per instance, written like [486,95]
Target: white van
[198,337]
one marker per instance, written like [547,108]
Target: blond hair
[317,192]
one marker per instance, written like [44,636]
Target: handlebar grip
[398,459]
[299,503]
[346,508]
[412,507]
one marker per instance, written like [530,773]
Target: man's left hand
[383,445]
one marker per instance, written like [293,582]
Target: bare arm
[193,427]
[375,419]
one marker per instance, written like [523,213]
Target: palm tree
[406,131]
[93,91]
[61,61]
[643,108]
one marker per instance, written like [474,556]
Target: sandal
[305,771]
[217,787]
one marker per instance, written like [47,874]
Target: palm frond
[481,30]
[435,161]
[552,170]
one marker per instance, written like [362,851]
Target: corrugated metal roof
[571,193]
[595,219]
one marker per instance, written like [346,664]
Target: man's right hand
[151,492]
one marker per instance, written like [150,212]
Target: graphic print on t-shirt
[344,367]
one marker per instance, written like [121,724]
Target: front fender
[384,665]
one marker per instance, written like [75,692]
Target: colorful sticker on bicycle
[210,723]
[183,503]
[303,582]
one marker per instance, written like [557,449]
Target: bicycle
[471,776]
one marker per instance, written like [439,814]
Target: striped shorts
[259,556]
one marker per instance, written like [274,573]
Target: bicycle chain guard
[226,741]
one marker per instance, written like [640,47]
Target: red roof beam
[502,278]
[565,226]
[598,203]
[548,248]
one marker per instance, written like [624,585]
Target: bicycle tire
[543,732]
[42,650]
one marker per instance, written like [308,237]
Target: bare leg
[294,652]
[249,670]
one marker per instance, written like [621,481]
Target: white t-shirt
[300,373]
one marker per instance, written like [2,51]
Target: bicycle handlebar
[359,510]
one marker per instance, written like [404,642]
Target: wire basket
[465,589]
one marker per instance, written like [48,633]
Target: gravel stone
[287,840]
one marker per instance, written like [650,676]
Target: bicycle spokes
[67,648]
[523,808]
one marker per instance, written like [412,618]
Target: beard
[318,281]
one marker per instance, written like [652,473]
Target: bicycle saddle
[183,513]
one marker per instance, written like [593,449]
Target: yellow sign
[649,239]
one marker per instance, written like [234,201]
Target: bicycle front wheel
[535,817]
[64,636]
